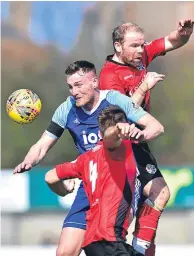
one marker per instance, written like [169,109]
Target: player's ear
[95,82]
[118,47]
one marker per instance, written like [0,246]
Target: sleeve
[59,119]
[70,170]
[155,48]
[134,112]
[111,81]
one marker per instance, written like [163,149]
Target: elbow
[49,177]
[161,129]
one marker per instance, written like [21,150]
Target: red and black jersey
[125,78]
[109,185]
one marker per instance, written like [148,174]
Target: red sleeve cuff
[68,170]
[60,171]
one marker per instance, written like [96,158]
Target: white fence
[167,250]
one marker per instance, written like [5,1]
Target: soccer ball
[23,106]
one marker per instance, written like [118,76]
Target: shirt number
[93,174]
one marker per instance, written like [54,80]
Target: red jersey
[125,78]
[109,185]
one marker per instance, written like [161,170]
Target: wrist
[141,91]
[116,131]
[144,87]
[183,37]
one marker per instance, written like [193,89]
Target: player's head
[128,42]
[110,117]
[82,81]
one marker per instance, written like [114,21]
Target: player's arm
[171,42]
[36,153]
[58,186]
[152,128]
[56,178]
[113,135]
[148,83]
[180,36]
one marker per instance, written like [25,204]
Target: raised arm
[48,139]
[180,36]
[150,80]
[135,114]
[36,153]
[113,135]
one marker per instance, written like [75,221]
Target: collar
[109,59]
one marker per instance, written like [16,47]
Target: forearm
[152,131]
[58,188]
[175,40]
[111,138]
[140,93]
[35,154]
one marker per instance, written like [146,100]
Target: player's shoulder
[149,43]
[103,94]
[109,95]
[115,95]
[97,148]
[108,67]
[114,71]
[154,43]
[67,104]
[93,153]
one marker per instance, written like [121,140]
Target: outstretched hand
[185,27]
[22,167]
[150,80]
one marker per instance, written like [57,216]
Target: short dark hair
[111,116]
[120,31]
[83,65]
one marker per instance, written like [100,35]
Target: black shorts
[104,248]
[146,163]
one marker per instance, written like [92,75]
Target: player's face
[82,87]
[132,48]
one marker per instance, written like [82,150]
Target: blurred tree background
[40,39]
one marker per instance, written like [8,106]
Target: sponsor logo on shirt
[131,92]
[90,138]
[127,77]
[151,169]
[76,121]
[135,105]
[96,148]
[96,202]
